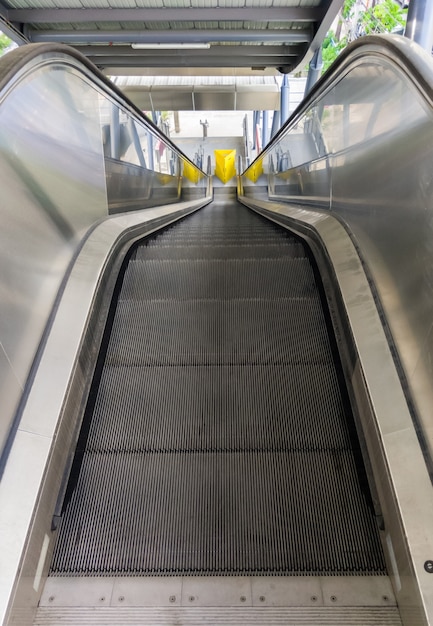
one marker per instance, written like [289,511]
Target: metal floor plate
[330,616]
[345,601]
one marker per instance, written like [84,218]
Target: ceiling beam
[10,30]
[191,71]
[183,61]
[258,57]
[4,12]
[170,36]
[249,14]
[214,51]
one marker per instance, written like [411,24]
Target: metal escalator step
[222,227]
[227,251]
[219,279]
[221,441]
[219,332]
[224,239]
[194,408]
[242,232]
[219,513]
[219,239]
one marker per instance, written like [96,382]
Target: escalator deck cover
[220,441]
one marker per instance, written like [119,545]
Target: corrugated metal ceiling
[232,33]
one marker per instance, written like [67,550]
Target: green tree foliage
[383,17]
[5,42]
[347,10]
[331,49]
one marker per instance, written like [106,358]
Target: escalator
[218,440]
[253,444]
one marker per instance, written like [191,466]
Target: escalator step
[219,439]
[219,279]
[219,513]
[227,251]
[219,332]
[192,408]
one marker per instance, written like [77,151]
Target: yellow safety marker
[190,172]
[225,164]
[164,179]
[255,171]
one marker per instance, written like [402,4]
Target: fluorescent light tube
[170,46]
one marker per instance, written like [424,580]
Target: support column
[136,141]
[256,120]
[265,125]
[284,107]
[150,151]
[246,140]
[275,124]
[419,24]
[114,132]
[314,71]
[176,122]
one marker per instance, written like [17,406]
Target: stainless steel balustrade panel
[53,188]
[58,130]
[372,125]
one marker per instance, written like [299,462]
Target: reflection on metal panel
[71,152]
[373,136]
[10,391]
[53,188]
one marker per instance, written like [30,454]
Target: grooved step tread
[184,279]
[197,408]
[233,251]
[219,332]
[221,512]
[221,440]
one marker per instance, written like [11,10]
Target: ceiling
[177,36]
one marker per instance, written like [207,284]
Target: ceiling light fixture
[170,46]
